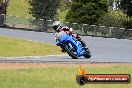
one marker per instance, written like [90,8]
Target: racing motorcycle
[71,45]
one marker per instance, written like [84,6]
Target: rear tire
[88,55]
[70,53]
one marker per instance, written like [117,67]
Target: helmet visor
[55,27]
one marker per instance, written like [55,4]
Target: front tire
[70,52]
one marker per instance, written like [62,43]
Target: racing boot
[83,44]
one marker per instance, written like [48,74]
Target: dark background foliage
[87,11]
[43,8]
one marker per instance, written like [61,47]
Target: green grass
[17,47]
[57,77]
[18,8]
[21,8]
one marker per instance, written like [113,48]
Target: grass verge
[16,47]
[19,8]
[56,75]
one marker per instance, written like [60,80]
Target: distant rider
[57,26]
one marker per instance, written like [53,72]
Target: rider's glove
[71,30]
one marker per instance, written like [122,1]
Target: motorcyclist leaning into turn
[58,27]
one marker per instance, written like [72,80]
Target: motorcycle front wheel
[70,51]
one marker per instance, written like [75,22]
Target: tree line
[86,11]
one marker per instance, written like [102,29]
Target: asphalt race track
[103,50]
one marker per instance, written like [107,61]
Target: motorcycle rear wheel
[88,55]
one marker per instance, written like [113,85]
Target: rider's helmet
[56,25]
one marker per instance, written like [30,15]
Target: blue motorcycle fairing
[77,47]
[65,38]
[62,38]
